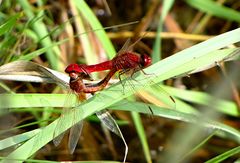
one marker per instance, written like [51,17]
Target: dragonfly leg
[122,72]
[146,73]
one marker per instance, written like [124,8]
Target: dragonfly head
[74,70]
[146,60]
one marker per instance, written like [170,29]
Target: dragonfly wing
[76,130]
[106,118]
[125,47]
[57,136]
[57,140]
[154,94]
[75,133]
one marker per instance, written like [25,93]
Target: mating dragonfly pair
[123,62]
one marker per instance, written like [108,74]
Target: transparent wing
[75,133]
[128,46]
[76,130]
[154,94]
[163,98]
[108,121]
[57,140]
[61,123]
[125,47]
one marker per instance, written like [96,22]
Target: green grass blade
[31,100]
[95,24]
[177,115]
[141,133]
[213,8]
[41,30]
[202,98]
[204,141]
[225,155]
[156,54]
[40,51]
[15,140]
[9,23]
[46,134]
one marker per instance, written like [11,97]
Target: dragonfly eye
[146,60]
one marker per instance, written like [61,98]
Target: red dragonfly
[79,72]
[122,63]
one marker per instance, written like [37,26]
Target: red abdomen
[87,69]
[126,60]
